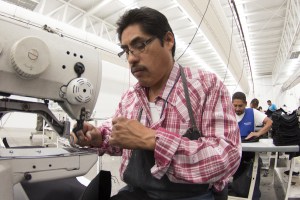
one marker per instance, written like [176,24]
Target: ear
[169,40]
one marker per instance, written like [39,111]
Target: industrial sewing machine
[37,62]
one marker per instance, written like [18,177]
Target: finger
[112,141]
[114,121]
[85,128]
[118,120]
[73,140]
[247,137]
[89,136]
[79,135]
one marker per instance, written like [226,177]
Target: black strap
[192,133]
[188,102]
[99,188]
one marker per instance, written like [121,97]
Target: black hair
[240,96]
[151,21]
[254,102]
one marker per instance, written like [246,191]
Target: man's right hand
[88,136]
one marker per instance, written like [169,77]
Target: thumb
[88,135]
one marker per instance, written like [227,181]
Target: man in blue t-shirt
[248,119]
[272,107]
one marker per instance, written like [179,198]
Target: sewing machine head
[35,62]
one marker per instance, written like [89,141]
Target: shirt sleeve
[258,117]
[105,130]
[215,156]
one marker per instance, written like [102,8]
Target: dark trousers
[131,195]
[242,178]
[222,195]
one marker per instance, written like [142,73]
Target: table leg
[254,173]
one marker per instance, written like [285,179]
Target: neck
[156,89]
[152,94]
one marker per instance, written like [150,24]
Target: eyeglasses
[136,49]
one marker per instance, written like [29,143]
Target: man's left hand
[252,134]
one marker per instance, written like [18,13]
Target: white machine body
[37,62]
[40,64]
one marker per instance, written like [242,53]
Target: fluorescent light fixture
[28,4]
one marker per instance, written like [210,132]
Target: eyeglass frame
[136,51]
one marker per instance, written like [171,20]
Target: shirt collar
[171,81]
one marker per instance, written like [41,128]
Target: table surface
[266,145]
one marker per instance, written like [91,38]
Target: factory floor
[24,137]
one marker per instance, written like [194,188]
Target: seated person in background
[272,107]
[254,103]
[247,119]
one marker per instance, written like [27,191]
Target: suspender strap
[193,133]
[188,102]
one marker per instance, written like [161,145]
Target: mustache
[136,68]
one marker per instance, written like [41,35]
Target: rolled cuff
[166,146]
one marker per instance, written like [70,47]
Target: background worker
[247,119]
[254,103]
[272,107]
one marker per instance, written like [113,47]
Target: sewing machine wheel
[30,57]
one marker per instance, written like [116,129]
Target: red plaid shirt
[214,157]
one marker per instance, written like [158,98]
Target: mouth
[238,113]
[137,70]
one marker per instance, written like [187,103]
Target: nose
[237,109]
[131,58]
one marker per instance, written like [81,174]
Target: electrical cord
[195,32]
[239,78]
[228,59]
[243,40]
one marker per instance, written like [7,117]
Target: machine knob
[79,68]
[27,176]
[30,57]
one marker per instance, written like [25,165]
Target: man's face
[239,106]
[269,103]
[153,65]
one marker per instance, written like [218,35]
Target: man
[272,107]
[254,103]
[247,119]
[159,160]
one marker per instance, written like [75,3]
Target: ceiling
[241,41]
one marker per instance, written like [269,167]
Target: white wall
[264,90]
[291,98]
[115,81]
